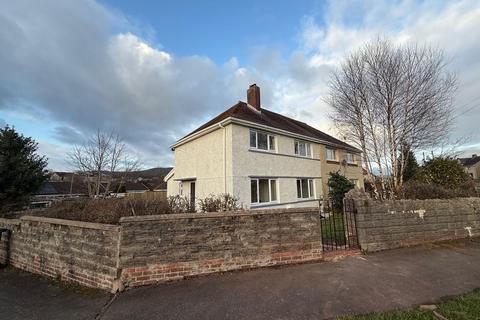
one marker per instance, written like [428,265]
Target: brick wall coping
[73,223]
[239,213]
[10,221]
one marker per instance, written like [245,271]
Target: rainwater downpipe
[224,157]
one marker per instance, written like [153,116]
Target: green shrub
[421,191]
[338,185]
[223,202]
[445,172]
[22,170]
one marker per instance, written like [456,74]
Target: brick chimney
[253,96]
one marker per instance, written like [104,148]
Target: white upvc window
[262,141]
[305,189]
[303,149]
[263,190]
[350,158]
[331,154]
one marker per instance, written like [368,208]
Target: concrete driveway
[360,284]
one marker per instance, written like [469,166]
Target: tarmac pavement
[386,280]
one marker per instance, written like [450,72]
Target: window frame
[270,147]
[269,191]
[352,159]
[334,154]
[310,187]
[308,148]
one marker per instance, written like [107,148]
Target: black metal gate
[339,229]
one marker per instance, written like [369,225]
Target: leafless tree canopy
[103,155]
[386,98]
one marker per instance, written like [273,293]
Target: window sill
[261,204]
[333,161]
[352,164]
[306,199]
[271,204]
[282,154]
[300,156]
[262,150]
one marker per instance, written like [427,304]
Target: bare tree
[99,159]
[388,97]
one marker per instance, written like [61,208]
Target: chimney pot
[253,96]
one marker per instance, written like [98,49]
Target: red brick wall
[150,274]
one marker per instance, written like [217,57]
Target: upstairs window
[305,188]
[303,149]
[262,141]
[350,158]
[331,154]
[263,190]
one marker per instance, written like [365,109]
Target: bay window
[263,190]
[305,189]
[303,149]
[262,141]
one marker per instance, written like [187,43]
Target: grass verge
[463,307]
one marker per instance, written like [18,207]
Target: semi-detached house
[261,157]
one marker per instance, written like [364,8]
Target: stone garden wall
[393,224]
[82,252]
[148,249]
[168,247]
[12,225]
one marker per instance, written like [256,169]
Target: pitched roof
[61,188]
[129,186]
[275,120]
[469,161]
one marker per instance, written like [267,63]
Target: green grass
[395,315]
[328,230]
[463,307]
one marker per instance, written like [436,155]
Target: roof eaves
[291,134]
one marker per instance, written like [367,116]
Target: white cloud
[64,59]
[452,26]
[87,67]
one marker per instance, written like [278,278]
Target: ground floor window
[263,190]
[305,188]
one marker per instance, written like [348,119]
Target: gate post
[4,247]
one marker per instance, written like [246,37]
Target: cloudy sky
[155,70]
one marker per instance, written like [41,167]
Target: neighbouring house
[471,165]
[261,157]
[54,191]
[128,187]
